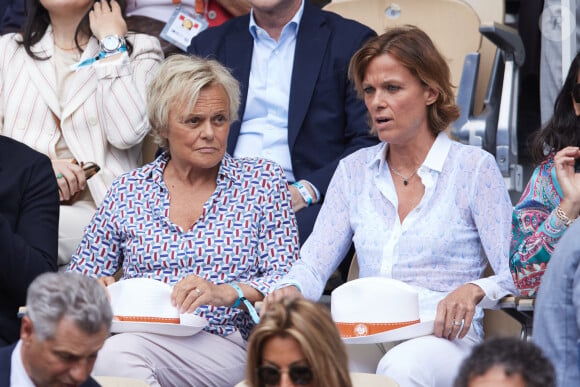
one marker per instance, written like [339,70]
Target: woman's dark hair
[563,129]
[38,20]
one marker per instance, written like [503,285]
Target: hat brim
[409,332]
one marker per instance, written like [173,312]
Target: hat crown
[142,297]
[374,300]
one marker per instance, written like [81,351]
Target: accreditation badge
[182,27]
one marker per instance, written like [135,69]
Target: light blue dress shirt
[264,129]
[463,217]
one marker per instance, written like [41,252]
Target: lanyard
[90,61]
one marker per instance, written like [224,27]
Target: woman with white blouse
[419,207]
[72,86]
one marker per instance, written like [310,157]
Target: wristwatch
[112,44]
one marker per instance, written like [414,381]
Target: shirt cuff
[285,284]
[493,292]
[316,191]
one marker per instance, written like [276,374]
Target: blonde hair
[413,49]
[178,82]
[312,327]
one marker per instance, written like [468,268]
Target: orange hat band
[358,329]
[167,320]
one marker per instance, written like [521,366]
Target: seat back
[425,14]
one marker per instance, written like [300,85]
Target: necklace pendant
[405,182]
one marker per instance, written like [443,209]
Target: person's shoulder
[142,39]
[229,27]
[256,166]
[469,153]
[6,362]
[341,27]
[12,149]
[10,42]
[348,26]
[7,350]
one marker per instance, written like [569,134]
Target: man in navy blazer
[68,317]
[29,207]
[323,120]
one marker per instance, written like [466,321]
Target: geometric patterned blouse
[535,228]
[246,234]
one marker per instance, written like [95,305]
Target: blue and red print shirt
[246,234]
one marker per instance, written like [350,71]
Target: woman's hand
[569,181]
[192,291]
[106,281]
[107,20]
[455,312]
[70,178]
[288,292]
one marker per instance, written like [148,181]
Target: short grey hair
[179,80]
[81,299]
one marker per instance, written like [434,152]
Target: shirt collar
[438,152]
[295,22]
[229,167]
[434,160]
[18,374]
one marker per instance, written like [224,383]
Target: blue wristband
[243,299]
[303,192]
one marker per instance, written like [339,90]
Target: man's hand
[298,201]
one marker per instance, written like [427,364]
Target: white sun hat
[144,305]
[377,310]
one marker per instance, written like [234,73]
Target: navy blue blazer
[326,119]
[29,208]
[13,17]
[5,363]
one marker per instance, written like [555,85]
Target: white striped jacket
[105,115]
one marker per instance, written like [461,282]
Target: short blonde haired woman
[220,230]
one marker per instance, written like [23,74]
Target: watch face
[111,43]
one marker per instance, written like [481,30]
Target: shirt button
[93,121]
[211,15]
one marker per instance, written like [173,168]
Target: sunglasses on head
[576,92]
[270,375]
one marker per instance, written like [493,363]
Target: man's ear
[26,329]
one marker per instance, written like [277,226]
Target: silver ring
[197,291]
[457,323]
